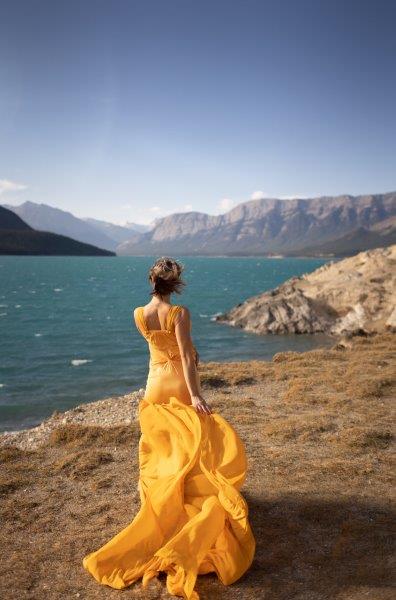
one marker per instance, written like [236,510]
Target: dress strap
[140,322]
[170,317]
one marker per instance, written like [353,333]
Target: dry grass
[318,433]
[72,435]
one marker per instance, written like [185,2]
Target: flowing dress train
[193,519]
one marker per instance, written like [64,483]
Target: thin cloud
[226,204]
[7,186]
[258,195]
[298,196]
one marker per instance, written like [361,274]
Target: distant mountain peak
[18,238]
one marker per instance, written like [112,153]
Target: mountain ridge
[43,217]
[321,226]
[264,226]
[18,238]
[103,234]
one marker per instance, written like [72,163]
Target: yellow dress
[193,519]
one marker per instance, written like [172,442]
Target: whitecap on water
[38,334]
[3,314]
[76,362]
[213,317]
[203,316]
[18,305]
[2,385]
[3,305]
[58,289]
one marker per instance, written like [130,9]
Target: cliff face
[270,226]
[357,293]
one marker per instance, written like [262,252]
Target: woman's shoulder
[181,308]
[181,312]
[138,315]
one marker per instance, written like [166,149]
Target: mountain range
[322,226]
[306,226]
[18,238]
[90,231]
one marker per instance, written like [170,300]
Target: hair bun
[165,275]
[167,268]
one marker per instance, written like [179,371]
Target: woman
[192,519]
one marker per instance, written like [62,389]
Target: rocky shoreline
[351,296]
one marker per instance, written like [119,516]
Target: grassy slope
[317,428]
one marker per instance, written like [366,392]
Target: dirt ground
[318,432]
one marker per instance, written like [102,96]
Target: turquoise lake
[68,336]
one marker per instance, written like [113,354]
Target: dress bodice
[162,343]
[169,323]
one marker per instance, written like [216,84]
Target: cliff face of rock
[347,296]
[270,225]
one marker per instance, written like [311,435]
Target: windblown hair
[165,276]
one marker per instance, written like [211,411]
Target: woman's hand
[200,405]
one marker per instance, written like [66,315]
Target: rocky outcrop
[354,295]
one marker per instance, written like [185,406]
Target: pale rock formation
[354,295]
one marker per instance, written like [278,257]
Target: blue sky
[131,110]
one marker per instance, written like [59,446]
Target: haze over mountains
[117,233]
[328,225]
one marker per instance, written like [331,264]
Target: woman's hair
[165,276]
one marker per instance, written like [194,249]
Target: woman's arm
[187,353]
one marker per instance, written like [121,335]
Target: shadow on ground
[309,549]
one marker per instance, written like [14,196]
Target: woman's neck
[158,299]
